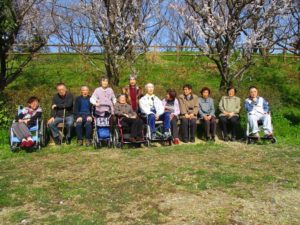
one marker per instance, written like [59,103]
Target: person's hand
[254,99]
[192,116]
[208,117]
[231,114]
[89,119]
[97,103]
[171,116]
[51,120]
[187,116]
[53,107]
[79,120]
[126,115]
[156,117]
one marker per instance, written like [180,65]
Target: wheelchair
[38,135]
[160,137]
[122,135]
[254,139]
[103,123]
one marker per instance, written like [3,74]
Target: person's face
[104,83]
[84,91]
[253,92]
[168,96]
[132,82]
[122,99]
[150,89]
[205,94]
[61,90]
[34,105]
[231,92]
[187,91]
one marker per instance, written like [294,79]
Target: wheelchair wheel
[42,135]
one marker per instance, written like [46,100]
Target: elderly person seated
[172,110]
[83,116]
[62,112]
[207,114]
[258,110]
[128,118]
[26,119]
[153,108]
[189,109]
[230,107]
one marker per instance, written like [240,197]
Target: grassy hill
[277,81]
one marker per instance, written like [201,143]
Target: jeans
[69,120]
[164,117]
[88,128]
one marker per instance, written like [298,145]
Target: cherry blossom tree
[118,26]
[227,31]
[23,22]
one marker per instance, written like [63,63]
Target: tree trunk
[112,70]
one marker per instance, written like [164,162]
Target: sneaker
[176,141]
[23,144]
[167,134]
[268,136]
[29,144]
[207,139]
[79,142]
[213,139]
[254,135]
[153,136]
[226,139]
[57,141]
[88,142]
[192,140]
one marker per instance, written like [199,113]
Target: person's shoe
[132,139]
[233,138]
[185,141]
[167,135]
[192,140]
[153,136]
[207,139]
[176,141]
[89,142]
[254,135]
[68,141]
[57,141]
[23,144]
[139,139]
[213,139]
[268,136]
[226,139]
[29,143]
[79,142]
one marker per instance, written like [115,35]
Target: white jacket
[148,102]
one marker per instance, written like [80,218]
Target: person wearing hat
[133,92]
[129,119]
[230,107]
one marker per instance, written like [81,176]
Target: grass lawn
[222,183]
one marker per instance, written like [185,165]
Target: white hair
[84,86]
[149,85]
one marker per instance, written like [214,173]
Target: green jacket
[230,104]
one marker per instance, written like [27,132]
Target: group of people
[132,105]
